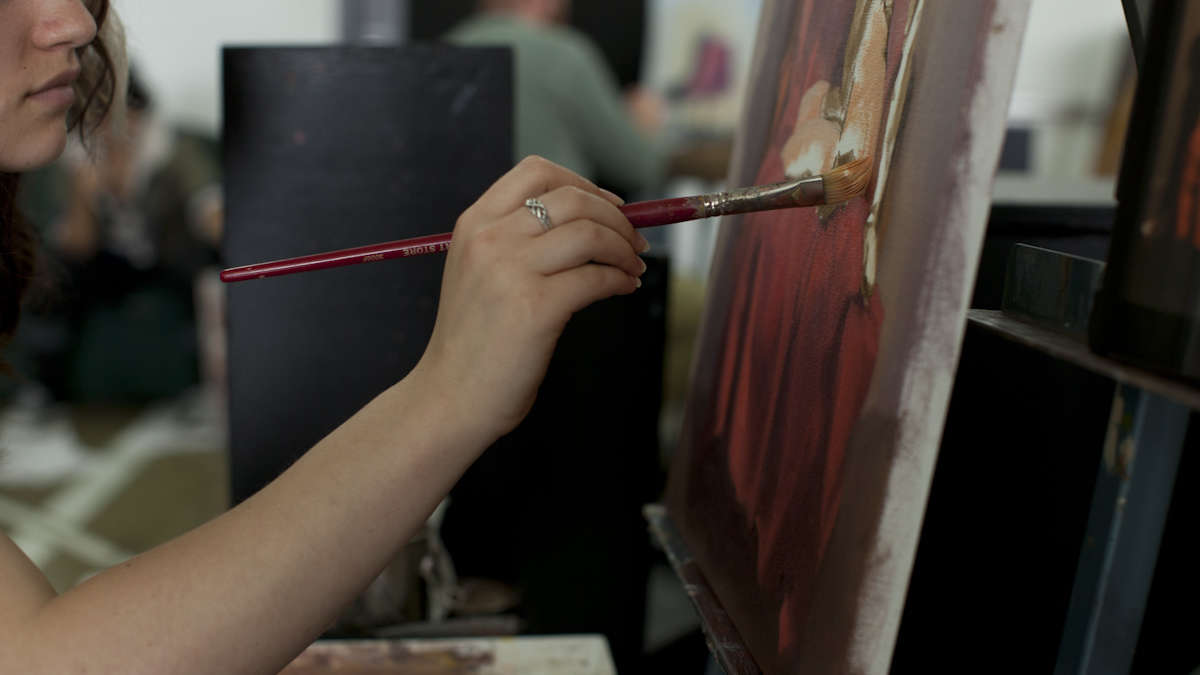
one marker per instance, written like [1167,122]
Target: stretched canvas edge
[908,482]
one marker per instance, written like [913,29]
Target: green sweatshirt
[568,106]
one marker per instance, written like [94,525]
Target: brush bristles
[848,180]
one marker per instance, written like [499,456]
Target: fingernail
[643,266]
[638,282]
[645,245]
[612,196]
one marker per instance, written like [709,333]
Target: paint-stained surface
[830,336]
[575,655]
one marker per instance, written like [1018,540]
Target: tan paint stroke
[874,228]
[838,124]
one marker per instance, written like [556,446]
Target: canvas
[830,335]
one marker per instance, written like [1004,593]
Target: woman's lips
[57,92]
[55,97]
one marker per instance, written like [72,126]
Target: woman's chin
[34,150]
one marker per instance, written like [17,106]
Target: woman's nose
[63,23]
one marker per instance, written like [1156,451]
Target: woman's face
[39,40]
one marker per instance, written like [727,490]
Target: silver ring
[538,209]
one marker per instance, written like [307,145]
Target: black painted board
[327,148]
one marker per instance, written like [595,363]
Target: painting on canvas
[830,335]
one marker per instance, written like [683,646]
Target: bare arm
[248,591]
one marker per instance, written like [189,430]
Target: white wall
[1070,57]
[1071,61]
[176,45]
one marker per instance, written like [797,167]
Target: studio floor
[84,487]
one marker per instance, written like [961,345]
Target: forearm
[247,591]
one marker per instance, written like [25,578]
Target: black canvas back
[333,147]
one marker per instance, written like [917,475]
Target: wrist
[444,408]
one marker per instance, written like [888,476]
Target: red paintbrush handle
[663,211]
[403,248]
[641,214]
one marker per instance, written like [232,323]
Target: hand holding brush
[839,185]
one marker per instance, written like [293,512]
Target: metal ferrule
[803,192]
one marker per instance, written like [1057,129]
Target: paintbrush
[838,185]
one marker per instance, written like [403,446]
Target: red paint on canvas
[802,323]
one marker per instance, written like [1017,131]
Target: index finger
[533,177]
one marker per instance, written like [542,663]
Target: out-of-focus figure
[142,218]
[569,108]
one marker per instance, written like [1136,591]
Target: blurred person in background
[569,108]
[129,226]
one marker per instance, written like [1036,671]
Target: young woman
[248,591]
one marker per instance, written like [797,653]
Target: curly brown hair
[97,90]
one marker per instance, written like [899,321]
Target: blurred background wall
[177,45]
[1075,59]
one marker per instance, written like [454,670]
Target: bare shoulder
[23,587]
